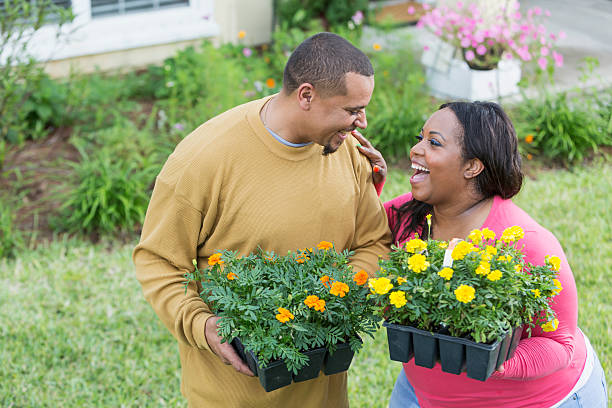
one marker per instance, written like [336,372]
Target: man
[253,176]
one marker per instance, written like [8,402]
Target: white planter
[458,81]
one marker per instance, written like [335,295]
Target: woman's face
[436,160]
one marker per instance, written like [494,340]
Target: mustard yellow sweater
[231,185]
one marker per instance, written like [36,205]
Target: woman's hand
[379,166]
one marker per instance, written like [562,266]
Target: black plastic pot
[338,361]
[274,376]
[481,359]
[516,337]
[399,339]
[452,354]
[425,346]
[312,369]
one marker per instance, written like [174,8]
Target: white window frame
[91,36]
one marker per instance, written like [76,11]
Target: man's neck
[280,117]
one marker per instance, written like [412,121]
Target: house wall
[135,40]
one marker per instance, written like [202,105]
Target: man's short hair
[323,60]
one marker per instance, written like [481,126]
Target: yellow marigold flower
[401,280]
[512,234]
[418,263]
[215,259]
[536,293]
[443,244]
[284,315]
[339,289]
[483,269]
[518,268]
[554,261]
[377,47]
[491,250]
[465,293]
[484,256]
[446,273]
[360,277]
[487,234]
[504,258]
[428,216]
[241,34]
[398,298]
[475,236]
[551,326]
[461,250]
[231,276]
[381,285]
[558,285]
[415,245]
[495,275]
[325,245]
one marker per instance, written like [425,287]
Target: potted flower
[486,41]
[289,316]
[464,303]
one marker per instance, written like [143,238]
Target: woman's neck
[459,219]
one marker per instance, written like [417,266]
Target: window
[101,8]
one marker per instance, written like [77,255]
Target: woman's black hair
[487,134]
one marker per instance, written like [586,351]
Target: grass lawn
[76,331]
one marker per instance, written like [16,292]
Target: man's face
[334,117]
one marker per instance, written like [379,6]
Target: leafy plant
[20,73]
[298,13]
[485,291]
[566,125]
[280,306]
[110,186]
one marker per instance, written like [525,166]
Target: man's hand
[379,166]
[224,351]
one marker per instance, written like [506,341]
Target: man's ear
[305,94]
[473,168]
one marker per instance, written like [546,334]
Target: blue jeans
[593,394]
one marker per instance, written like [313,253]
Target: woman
[466,168]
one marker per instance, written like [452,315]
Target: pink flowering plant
[478,288]
[281,306]
[485,36]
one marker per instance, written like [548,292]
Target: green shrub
[568,125]
[109,188]
[298,13]
[20,73]
[400,104]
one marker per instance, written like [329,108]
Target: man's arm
[170,237]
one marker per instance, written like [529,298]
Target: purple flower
[481,50]
[357,17]
[544,51]
[411,10]
[469,55]
[247,52]
[179,126]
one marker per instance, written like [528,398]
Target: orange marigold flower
[241,34]
[215,259]
[325,245]
[529,138]
[311,300]
[529,156]
[325,280]
[301,259]
[231,276]
[270,83]
[339,289]
[360,277]
[284,315]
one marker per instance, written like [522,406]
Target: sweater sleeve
[170,236]
[547,352]
[372,236]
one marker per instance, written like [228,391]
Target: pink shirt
[545,366]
